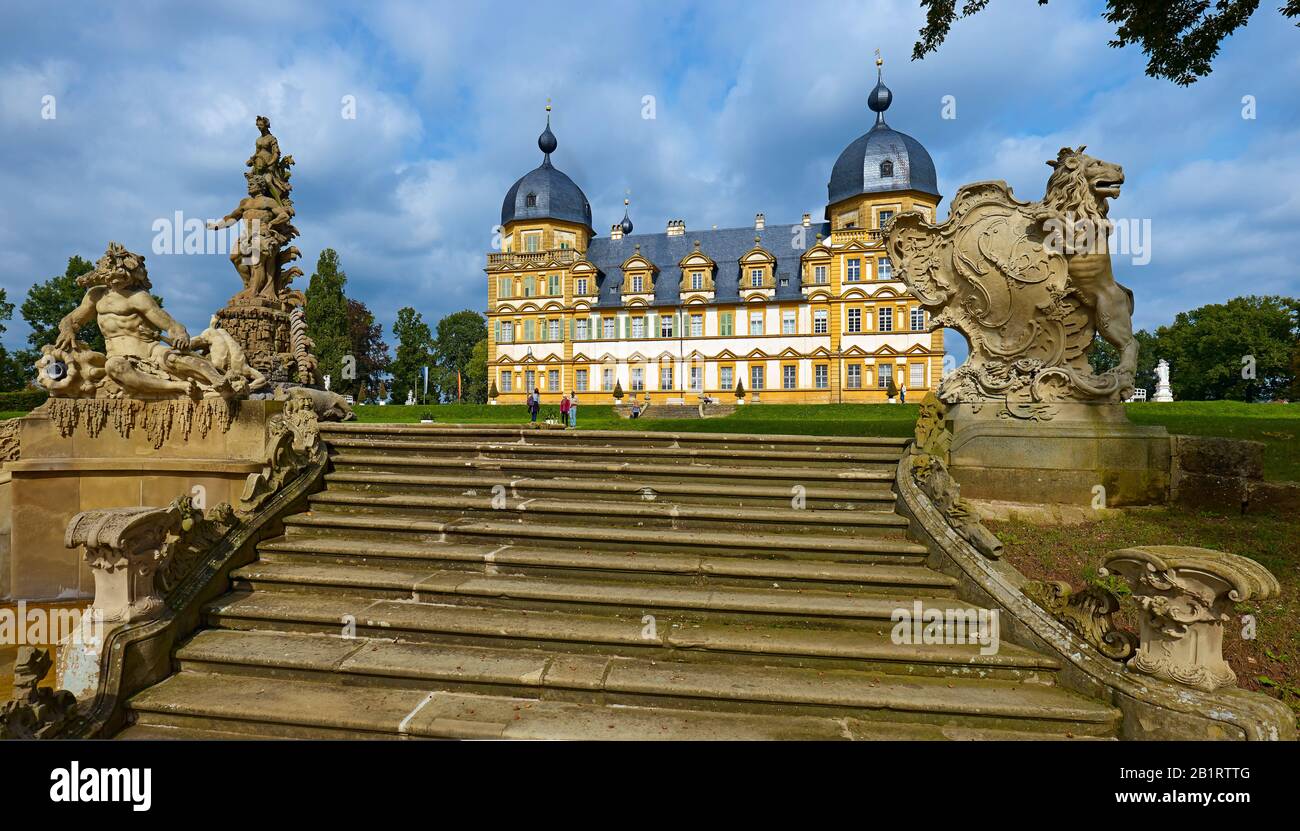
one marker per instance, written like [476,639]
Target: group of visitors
[568,408]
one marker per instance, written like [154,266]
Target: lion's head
[1080,185]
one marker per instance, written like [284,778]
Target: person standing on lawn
[564,411]
[534,404]
[573,408]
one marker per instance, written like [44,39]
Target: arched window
[530,201]
[886,169]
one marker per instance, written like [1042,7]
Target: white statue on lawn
[1163,391]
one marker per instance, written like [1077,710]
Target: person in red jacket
[565,405]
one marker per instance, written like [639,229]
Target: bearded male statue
[148,354]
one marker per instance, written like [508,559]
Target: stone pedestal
[1061,460]
[110,460]
[262,328]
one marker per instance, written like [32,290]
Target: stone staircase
[498,582]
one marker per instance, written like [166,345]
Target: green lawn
[1277,425]
[815,420]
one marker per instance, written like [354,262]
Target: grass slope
[1269,663]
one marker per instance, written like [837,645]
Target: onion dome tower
[546,193]
[882,159]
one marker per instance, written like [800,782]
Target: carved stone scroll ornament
[928,468]
[1029,285]
[1186,596]
[293,441]
[10,439]
[137,555]
[1088,613]
[931,476]
[33,711]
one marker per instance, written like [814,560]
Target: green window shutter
[496,331]
[573,328]
[528,330]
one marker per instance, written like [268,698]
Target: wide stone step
[624,471]
[634,681]
[392,527]
[561,485]
[318,709]
[608,438]
[652,637]
[738,457]
[589,595]
[665,567]
[629,515]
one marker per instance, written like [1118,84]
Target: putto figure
[148,354]
[1030,285]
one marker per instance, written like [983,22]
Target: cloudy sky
[153,107]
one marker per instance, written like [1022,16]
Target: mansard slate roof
[725,246]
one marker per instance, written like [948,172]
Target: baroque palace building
[802,313]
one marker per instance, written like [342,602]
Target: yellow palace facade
[807,312]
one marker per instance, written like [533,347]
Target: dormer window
[636,283]
[530,201]
[756,278]
[697,281]
[886,169]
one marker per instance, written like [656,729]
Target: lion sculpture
[1030,286]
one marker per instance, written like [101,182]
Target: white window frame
[853,377]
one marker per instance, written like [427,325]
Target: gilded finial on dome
[546,141]
[626,224]
[880,97]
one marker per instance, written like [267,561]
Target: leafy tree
[1213,351]
[1102,356]
[13,374]
[458,334]
[367,346]
[414,352]
[327,318]
[1179,37]
[476,374]
[49,302]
